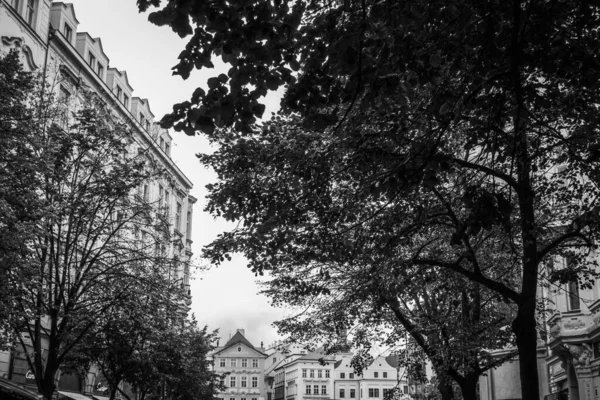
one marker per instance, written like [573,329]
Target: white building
[242,366]
[46,35]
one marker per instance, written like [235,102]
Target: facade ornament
[555,330]
[581,354]
[18,43]
[574,325]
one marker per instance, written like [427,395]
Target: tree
[448,118]
[95,241]
[19,205]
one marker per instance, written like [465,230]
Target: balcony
[574,323]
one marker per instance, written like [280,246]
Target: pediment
[239,350]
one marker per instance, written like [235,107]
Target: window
[222,362]
[405,389]
[304,373]
[254,381]
[351,375]
[30,12]
[168,149]
[92,61]
[376,374]
[387,393]
[244,381]
[178,227]
[373,392]
[342,375]
[232,398]
[326,373]
[119,92]
[233,362]
[167,203]
[574,303]
[352,393]
[189,218]
[573,290]
[68,32]
[385,374]
[146,192]
[162,143]
[316,389]
[308,389]
[161,194]
[244,360]
[15,4]
[323,389]
[312,373]
[232,381]
[148,126]
[319,373]
[342,393]
[274,358]
[100,70]
[142,119]
[126,101]
[64,95]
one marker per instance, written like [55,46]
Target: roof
[315,356]
[237,339]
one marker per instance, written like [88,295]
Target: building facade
[46,35]
[242,366]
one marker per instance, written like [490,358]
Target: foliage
[19,205]
[96,242]
[406,127]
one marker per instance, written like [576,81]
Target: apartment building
[308,377]
[380,377]
[242,366]
[46,35]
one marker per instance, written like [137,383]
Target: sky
[224,298]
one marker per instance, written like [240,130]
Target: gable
[244,351]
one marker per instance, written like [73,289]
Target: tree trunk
[445,389]
[526,337]
[468,387]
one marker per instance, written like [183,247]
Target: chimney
[242,331]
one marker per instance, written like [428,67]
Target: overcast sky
[224,297]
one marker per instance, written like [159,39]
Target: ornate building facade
[46,35]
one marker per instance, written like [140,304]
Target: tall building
[46,35]
[242,366]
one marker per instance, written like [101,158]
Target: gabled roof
[238,338]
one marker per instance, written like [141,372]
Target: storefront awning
[16,391]
[73,395]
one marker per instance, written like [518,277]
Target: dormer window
[119,92]
[91,60]
[68,33]
[162,143]
[125,101]
[148,126]
[168,149]
[142,119]
[30,12]
[100,70]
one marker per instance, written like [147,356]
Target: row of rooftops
[64,20]
[291,349]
